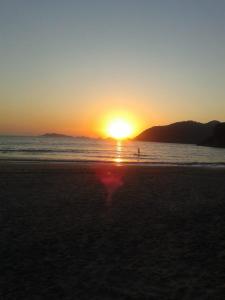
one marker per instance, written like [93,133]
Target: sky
[69,66]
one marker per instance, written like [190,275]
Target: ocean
[97,150]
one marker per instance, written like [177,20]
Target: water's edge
[89,162]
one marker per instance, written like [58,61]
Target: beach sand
[98,231]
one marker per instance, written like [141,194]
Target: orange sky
[70,66]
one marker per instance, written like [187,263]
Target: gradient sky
[66,66]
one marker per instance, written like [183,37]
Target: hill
[218,137]
[185,132]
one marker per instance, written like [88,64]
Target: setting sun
[119,129]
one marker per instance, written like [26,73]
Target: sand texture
[71,231]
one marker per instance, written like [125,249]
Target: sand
[89,231]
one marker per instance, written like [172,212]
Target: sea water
[100,150]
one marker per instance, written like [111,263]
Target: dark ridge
[218,137]
[185,132]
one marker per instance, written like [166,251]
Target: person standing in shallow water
[139,152]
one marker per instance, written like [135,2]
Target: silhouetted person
[139,152]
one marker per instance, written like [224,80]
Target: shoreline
[216,165]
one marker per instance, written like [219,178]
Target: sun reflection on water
[118,159]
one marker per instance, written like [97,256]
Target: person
[139,151]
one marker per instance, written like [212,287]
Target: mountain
[55,135]
[185,132]
[217,139]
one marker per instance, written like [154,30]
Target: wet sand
[73,231]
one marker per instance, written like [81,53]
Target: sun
[119,129]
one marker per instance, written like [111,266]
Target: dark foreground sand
[101,232]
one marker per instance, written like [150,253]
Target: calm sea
[78,149]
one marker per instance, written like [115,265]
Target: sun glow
[119,129]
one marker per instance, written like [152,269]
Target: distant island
[59,135]
[55,135]
[185,132]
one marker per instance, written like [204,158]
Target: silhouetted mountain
[186,132]
[56,135]
[218,137]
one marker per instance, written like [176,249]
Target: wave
[53,151]
[129,163]
[39,151]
